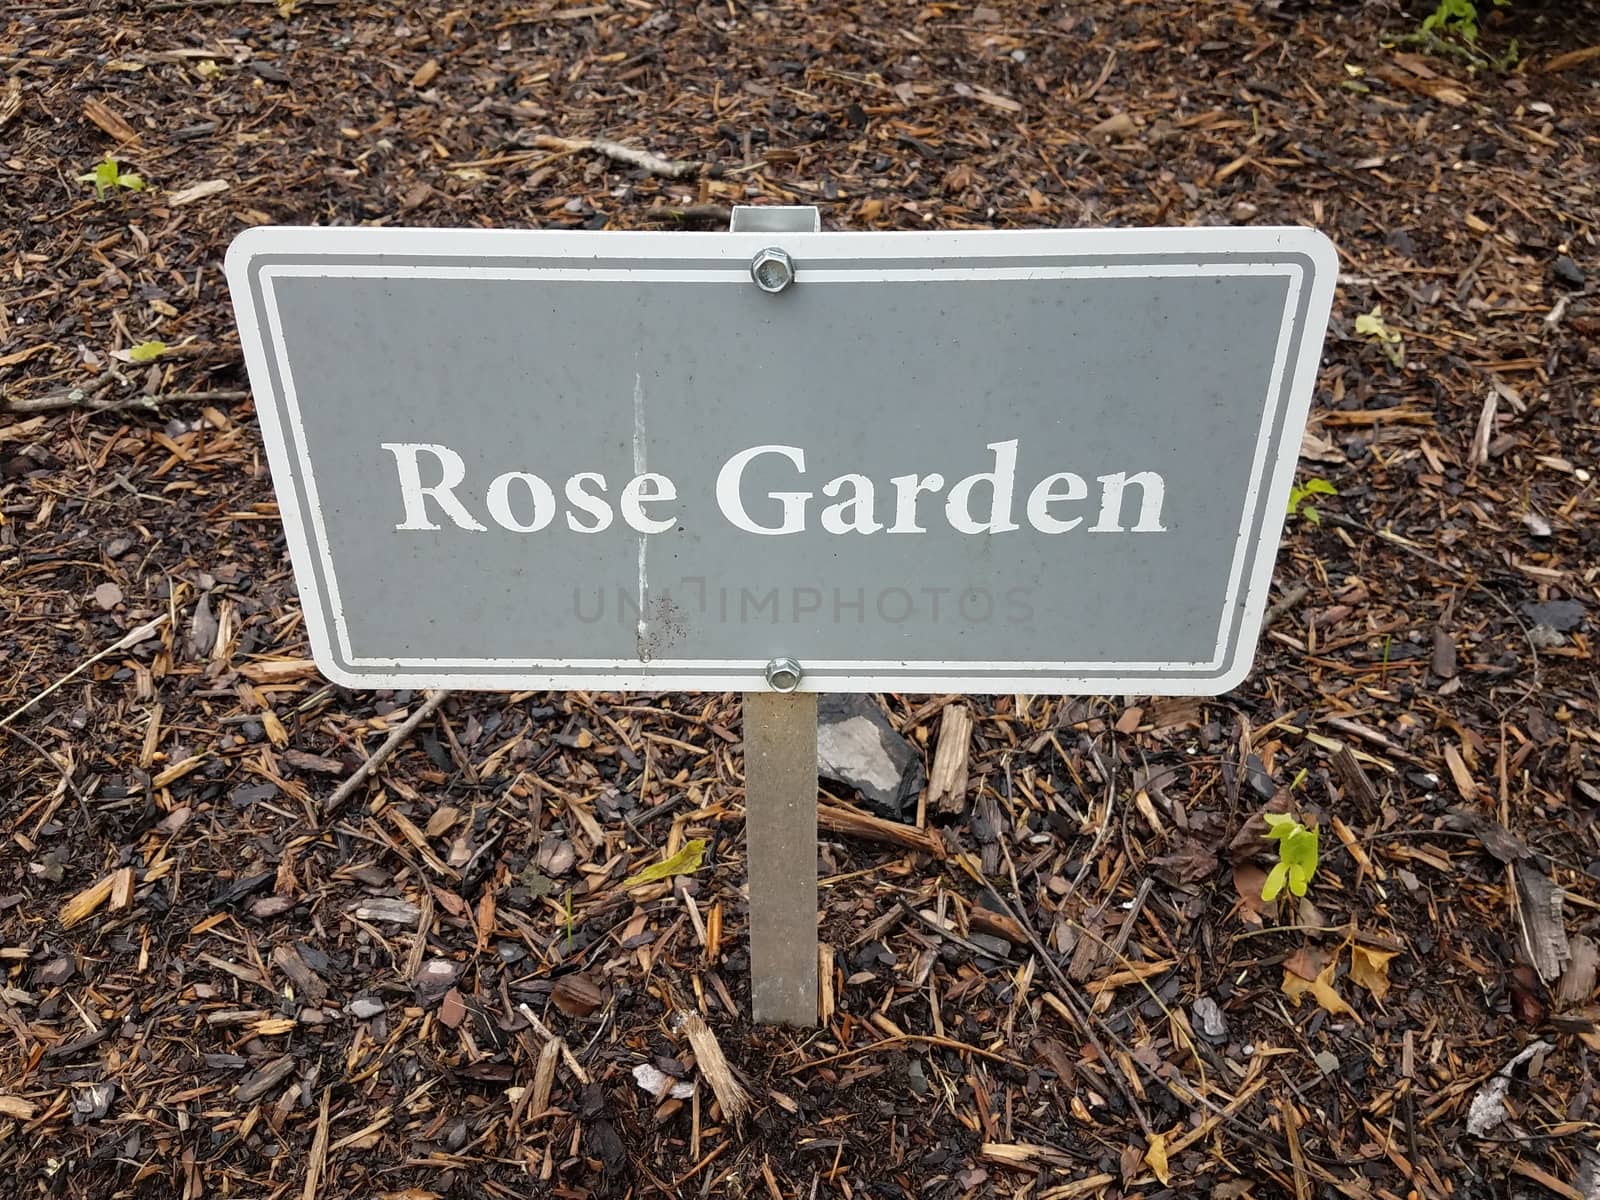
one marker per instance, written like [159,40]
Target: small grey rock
[1208,1019]
[92,1102]
[435,977]
[1544,637]
[364,1008]
[1568,272]
[1327,1062]
[856,746]
[1561,615]
[389,909]
[556,855]
[917,1077]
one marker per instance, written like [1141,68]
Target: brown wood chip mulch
[1064,983]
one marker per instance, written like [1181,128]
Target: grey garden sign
[1040,461]
[777,459]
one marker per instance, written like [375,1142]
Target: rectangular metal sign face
[1039,462]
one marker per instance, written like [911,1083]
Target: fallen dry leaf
[1156,1158]
[1307,962]
[685,862]
[1370,968]
[1248,880]
[1321,989]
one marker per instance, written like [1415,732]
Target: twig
[82,396]
[897,1039]
[634,157]
[1100,834]
[1281,609]
[66,777]
[131,638]
[179,5]
[392,743]
[1070,996]
[225,395]
[950,935]
[89,398]
[835,818]
[567,1055]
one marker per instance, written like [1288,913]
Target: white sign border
[291,464]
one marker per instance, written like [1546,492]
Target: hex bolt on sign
[783,674]
[772,269]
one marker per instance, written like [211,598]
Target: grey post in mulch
[780,763]
[780,805]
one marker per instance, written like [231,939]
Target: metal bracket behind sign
[775,218]
[780,781]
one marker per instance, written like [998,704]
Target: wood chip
[197,191]
[730,1094]
[109,120]
[82,906]
[947,780]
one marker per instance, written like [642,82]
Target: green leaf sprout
[107,176]
[1301,492]
[1297,856]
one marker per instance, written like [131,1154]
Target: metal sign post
[780,830]
[780,761]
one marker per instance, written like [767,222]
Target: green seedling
[1456,16]
[1301,492]
[107,176]
[1452,28]
[1297,856]
[1372,325]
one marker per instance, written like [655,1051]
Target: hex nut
[783,674]
[772,269]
